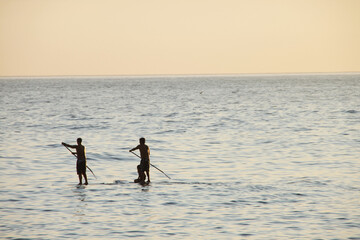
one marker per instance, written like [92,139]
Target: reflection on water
[80,192]
[80,203]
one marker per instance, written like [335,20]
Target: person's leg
[85,177]
[141,177]
[139,171]
[147,169]
[79,171]
[80,179]
[148,175]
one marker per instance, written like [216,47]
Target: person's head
[79,140]
[142,140]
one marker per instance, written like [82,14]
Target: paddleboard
[141,182]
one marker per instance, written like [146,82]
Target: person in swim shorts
[81,160]
[144,166]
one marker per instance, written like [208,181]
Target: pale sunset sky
[141,37]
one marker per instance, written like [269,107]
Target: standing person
[81,160]
[144,166]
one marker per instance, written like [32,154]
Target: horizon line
[181,75]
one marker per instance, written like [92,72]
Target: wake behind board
[116,182]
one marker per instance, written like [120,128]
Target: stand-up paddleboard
[144,183]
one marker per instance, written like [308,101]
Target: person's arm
[137,147]
[67,145]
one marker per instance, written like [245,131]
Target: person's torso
[80,151]
[144,152]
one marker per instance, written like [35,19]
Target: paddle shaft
[76,157]
[153,166]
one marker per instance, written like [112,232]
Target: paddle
[152,165]
[76,157]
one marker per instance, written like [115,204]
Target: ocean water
[250,157]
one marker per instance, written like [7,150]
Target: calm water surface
[250,157]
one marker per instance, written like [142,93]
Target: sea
[248,157]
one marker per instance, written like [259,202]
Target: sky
[155,37]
